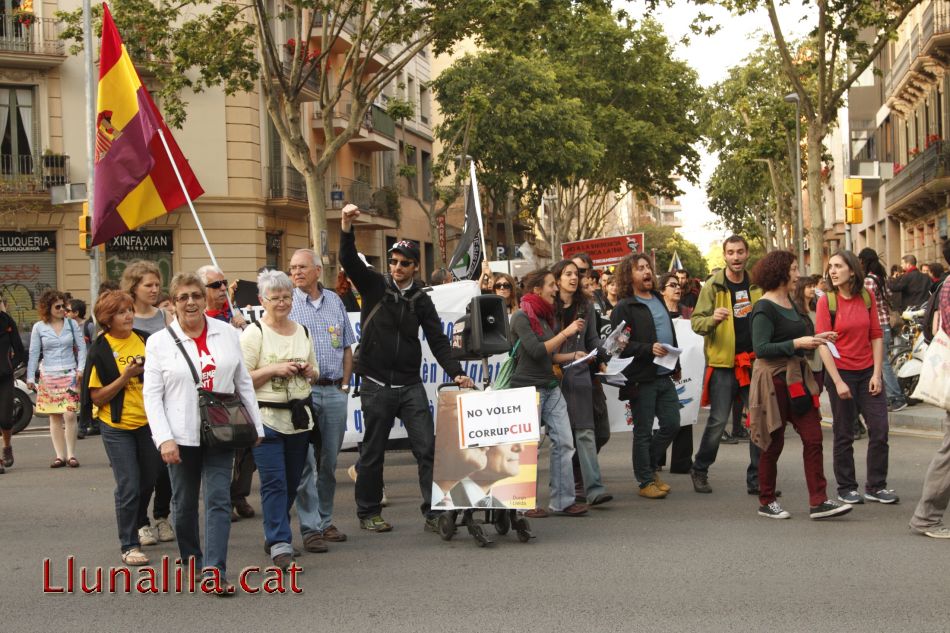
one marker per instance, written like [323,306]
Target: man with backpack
[389,359]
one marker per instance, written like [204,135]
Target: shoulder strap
[194,372]
[867,298]
[72,334]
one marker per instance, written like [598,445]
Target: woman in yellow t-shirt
[114,384]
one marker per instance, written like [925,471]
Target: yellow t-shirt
[133,406]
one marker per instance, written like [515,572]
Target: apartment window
[411,92]
[18,144]
[425,104]
[363,172]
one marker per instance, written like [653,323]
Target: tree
[340,53]
[845,40]
[664,241]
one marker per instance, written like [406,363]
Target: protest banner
[605,251]
[490,418]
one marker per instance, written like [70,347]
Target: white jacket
[171,397]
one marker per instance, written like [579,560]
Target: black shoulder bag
[225,422]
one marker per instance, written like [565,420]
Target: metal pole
[799,236]
[91,90]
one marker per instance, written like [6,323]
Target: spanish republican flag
[134,179]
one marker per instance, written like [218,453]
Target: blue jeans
[135,465]
[892,387]
[555,418]
[586,445]
[211,468]
[381,406]
[318,483]
[723,390]
[656,399]
[280,458]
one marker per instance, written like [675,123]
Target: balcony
[920,63]
[286,187]
[376,134]
[311,87]
[379,206]
[921,186]
[30,42]
[27,175]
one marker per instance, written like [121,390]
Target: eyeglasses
[582,271]
[403,263]
[503,286]
[673,284]
[217,285]
[58,306]
[194,296]
[280,300]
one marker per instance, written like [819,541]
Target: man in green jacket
[723,317]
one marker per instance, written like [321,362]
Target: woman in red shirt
[854,379]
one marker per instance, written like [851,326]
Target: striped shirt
[329,326]
[874,287]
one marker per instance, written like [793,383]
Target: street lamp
[797,180]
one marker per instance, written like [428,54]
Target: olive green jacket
[720,338]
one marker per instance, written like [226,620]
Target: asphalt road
[687,563]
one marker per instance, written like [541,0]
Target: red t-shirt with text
[206,364]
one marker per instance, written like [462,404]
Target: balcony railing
[24,173]
[310,84]
[364,195]
[22,34]
[932,163]
[286,182]
[380,122]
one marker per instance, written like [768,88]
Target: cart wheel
[502,522]
[479,535]
[524,536]
[447,526]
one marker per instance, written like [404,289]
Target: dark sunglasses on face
[217,285]
[403,263]
[582,271]
[58,306]
[503,286]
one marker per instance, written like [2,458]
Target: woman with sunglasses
[504,287]
[59,339]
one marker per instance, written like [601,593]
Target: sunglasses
[217,285]
[402,263]
[58,306]
[582,271]
[194,296]
[503,286]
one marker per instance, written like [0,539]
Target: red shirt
[206,364]
[855,327]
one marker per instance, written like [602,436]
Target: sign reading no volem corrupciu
[490,418]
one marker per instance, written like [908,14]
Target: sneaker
[828,509]
[384,501]
[165,531]
[700,482]
[351,471]
[147,536]
[882,496]
[852,497]
[652,491]
[774,511]
[742,434]
[894,408]
[727,438]
[938,532]
[665,487]
[375,524]
[8,456]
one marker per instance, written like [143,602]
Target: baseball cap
[407,248]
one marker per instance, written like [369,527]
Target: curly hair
[134,273]
[579,301]
[109,304]
[624,273]
[45,304]
[773,270]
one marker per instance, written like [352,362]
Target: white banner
[491,418]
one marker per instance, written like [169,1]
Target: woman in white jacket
[171,403]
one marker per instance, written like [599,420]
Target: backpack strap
[72,334]
[833,303]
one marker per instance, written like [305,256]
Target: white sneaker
[351,471]
[165,531]
[147,535]
[384,501]
[938,532]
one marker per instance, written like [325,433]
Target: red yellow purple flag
[134,178]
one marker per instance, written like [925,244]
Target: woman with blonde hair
[59,340]
[504,286]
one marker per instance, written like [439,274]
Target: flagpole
[91,90]
[473,182]
[191,205]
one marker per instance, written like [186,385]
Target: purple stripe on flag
[126,164]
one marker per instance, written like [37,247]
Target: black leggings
[6,403]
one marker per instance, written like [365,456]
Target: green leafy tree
[664,241]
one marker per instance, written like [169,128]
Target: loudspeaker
[483,331]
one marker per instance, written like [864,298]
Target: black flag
[466,262]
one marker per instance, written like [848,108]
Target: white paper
[617,380]
[668,361]
[615,366]
[834,350]
[580,361]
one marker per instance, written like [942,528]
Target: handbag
[507,370]
[933,386]
[225,421]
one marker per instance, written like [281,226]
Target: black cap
[407,248]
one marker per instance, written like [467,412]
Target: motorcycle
[908,357]
[23,401]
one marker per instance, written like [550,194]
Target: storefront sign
[141,242]
[27,241]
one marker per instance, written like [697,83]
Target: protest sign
[490,418]
[605,251]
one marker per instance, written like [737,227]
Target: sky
[711,57]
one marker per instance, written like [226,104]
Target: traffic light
[853,201]
[85,228]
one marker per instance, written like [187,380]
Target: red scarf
[536,308]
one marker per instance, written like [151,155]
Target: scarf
[536,308]
[224,314]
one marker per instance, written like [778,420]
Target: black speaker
[483,331]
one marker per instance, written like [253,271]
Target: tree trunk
[509,229]
[316,201]
[815,133]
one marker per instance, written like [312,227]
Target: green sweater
[775,328]
[534,364]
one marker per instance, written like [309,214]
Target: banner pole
[191,205]
[478,206]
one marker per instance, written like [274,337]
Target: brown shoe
[315,543]
[537,513]
[333,535]
[234,516]
[652,491]
[244,509]
[665,487]
[574,510]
